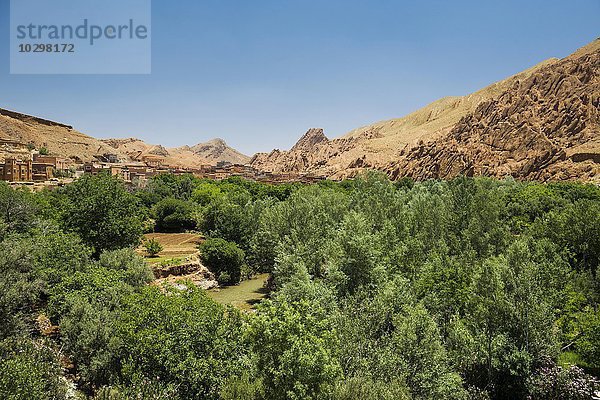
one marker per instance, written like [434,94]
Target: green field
[243,296]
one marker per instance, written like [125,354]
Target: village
[22,164]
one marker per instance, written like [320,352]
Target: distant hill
[211,152]
[539,124]
[62,140]
[58,138]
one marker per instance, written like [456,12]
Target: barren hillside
[59,139]
[411,145]
[62,140]
[544,127]
[211,152]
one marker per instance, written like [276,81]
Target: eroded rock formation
[542,123]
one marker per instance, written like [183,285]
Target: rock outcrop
[544,127]
[189,270]
[539,124]
[217,150]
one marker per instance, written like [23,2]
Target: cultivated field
[175,245]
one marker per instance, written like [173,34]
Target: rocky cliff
[544,127]
[539,124]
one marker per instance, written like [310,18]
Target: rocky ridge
[211,152]
[544,127]
[539,124]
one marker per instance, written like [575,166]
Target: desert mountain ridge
[63,140]
[542,123]
[210,152]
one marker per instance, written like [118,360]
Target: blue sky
[260,73]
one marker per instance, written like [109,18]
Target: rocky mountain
[544,127]
[211,152]
[539,124]
[217,150]
[62,140]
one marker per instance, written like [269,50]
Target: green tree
[17,210]
[223,258]
[360,257]
[181,338]
[575,227]
[303,225]
[295,347]
[102,212]
[206,192]
[588,339]
[389,338]
[174,215]
[153,247]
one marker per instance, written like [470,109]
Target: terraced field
[175,245]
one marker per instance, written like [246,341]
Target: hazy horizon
[259,75]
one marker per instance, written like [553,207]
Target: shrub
[552,382]
[153,247]
[29,370]
[223,258]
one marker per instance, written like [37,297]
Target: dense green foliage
[173,215]
[465,289]
[223,258]
[102,212]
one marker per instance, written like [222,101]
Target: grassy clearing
[243,296]
[167,260]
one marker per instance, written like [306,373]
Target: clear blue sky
[260,73]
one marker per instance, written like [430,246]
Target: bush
[153,247]
[224,259]
[29,370]
[174,215]
[17,210]
[552,382]
[366,389]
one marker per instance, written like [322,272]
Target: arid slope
[544,127]
[62,140]
[544,118]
